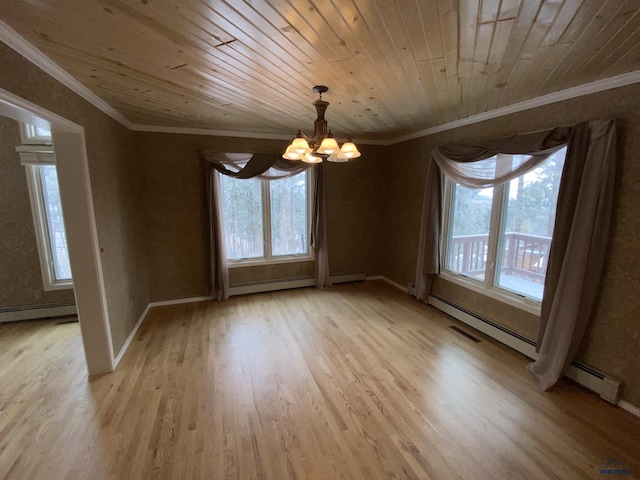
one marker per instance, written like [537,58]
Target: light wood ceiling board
[249,68]
[128,79]
[358,76]
[600,36]
[530,52]
[488,11]
[157,56]
[499,42]
[627,38]
[430,87]
[268,58]
[439,73]
[546,61]
[564,18]
[484,34]
[448,14]
[399,38]
[627,63]
[468,20]
[417,22]
[509,9]
[303,22]
[514,65]
[386,75]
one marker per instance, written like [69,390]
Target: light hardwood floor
[359,382]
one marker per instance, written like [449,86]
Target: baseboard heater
[32,312]
[285,284]
[607,387]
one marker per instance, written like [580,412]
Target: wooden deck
[358,382]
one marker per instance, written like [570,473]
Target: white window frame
[269,258]
[32,157]
[488,286]
[29,135]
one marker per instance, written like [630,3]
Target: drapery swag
[264,167]
[583,213]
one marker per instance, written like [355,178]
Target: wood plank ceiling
[393,66]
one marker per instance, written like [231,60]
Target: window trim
[487,287]
[269,258]
[32,158]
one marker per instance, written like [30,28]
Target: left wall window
[38,157]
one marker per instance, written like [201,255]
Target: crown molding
[569,93]
[35,56]
[206,131]
[18,43]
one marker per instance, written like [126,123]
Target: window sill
[523,303]
[272,261]
[58,286]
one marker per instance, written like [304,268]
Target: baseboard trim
[34,312]
[389,281]
[179,301]
[609,388]
[127,342]
[274,285]
[629,408]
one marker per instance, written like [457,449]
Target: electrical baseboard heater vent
[609,388]
[32,312]
[284,284]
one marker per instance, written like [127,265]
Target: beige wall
[612,342]
[20,275]
[176,218]
[114,172]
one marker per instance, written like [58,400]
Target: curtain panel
[578,247]
[263,167]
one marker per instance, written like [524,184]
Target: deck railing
[525,255]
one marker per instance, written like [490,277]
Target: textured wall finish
[20,274]
[176,219]
[613,339]
[113,169]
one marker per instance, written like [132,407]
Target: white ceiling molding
[231,133]
[15,41]
[35,56]
[579,91]
[205,131]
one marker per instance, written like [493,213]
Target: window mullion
[494,234]
[266,218]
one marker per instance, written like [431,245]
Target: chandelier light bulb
[311,158]
[292,154]
[329,145]
[349,150]
[300,145]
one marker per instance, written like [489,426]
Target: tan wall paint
[114,175]
[612,342]
[20,274]
[176,219]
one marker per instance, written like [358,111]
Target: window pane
[55,222]
[470,218]
[242,217]
[289,215]
[530,211]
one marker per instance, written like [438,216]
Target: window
[46,208]
[33,135]
[266,221]
[499,238]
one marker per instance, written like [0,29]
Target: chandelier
[321,145]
